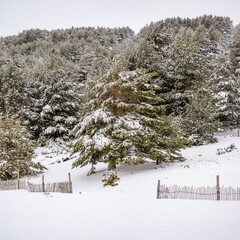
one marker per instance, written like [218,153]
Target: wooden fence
[61,187]
[200,193]
[229,132]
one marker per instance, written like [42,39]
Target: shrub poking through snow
[110,179]
[228,149]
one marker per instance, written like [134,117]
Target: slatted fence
[61,187]
[229,132]
[198,193]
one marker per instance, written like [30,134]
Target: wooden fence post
[218,189]
[18,179]
[70,183]
[158,190]
[43,185]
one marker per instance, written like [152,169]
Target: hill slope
[130,210]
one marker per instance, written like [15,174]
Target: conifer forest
[117,97]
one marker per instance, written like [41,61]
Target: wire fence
[200,193]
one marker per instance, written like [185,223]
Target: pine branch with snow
[125,124]
[16,150]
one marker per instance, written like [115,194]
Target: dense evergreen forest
[118,97]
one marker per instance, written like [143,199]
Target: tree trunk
[2,102]
[92,170]
[112,165]
[2,107]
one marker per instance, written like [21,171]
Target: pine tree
[30,115]
[200,120]
[150,49]
[16,150]
[60,105]
[55,100]
[2,97]
[235,50]
[124,122]
[185,88]
[12,89]
[187,70]
[227,91]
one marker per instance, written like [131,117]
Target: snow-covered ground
[129,211]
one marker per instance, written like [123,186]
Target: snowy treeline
[120,97]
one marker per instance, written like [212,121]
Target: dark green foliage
[200,118]
[187,70]
[183,53]
[60,101]
[226,87]
[235,50]
[13,89]
[181,78]
[124,122]
[8,169]
[43,73]
[16,150]
[110,179]
[87,47]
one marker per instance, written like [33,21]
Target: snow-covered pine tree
[58,114]
[186,70]
[227,91]
[150,49]
[16,150]
[185,88]
[55,100]
[30,115]
[12,89]
[123,122]
[235,50]
[2,98]
[200,120]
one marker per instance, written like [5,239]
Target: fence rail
[199,193]
[61,187]
[229,132]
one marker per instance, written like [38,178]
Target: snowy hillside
[129,210]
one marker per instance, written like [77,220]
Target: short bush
[110,179]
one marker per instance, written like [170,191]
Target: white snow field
[129,211]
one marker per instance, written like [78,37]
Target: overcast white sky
[19,15]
